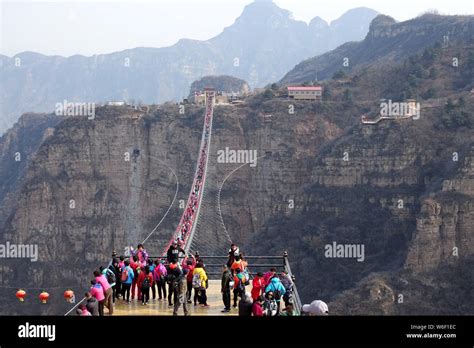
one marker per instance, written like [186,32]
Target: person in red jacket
[257,307]
[258,286]
[145,279]
[189,263]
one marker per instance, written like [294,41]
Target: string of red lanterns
[44,296]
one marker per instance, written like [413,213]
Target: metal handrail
[299,305]
[225,257]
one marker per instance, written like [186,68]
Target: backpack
[240,285]
[111,276]
[277,295]
[246,276]
[124,274]
[146,283]
[197,281]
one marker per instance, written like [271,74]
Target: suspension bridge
[202,229]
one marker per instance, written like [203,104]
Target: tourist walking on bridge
[227,284]
[135,265]
[160,273]
[151,266]
[239,285]
[257,308]
[170,279]
[257,286]
[92,304]
[141,253]
[233,251]
[97,291]
[145,279]
[270,307]
[108,292]
[245,305]
[189,264]
[288,285]
[109,274]
[179,290]
[277,289]
[268,276]
[127,279]
[200,285]
[173,252]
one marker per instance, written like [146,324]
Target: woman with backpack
[110,276]
[151,265]
[145,279]
[239,285]
[127,279]
[100,278]
[277,289]
[200,284]
[159,274]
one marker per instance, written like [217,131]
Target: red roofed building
[305,93]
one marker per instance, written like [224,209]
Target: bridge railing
[262,263]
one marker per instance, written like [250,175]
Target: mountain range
[261,45]
[387,41]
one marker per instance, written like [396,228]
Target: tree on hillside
[268,94]
[339,75]
[347,96]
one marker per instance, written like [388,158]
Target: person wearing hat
[316,307]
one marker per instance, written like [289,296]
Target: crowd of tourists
[182,280]
[271,293]
[170,279]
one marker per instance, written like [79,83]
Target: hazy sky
[92,27]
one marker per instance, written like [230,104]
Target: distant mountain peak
[262,9]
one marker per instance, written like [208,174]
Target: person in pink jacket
[108,292]
[159,274]
[98,292]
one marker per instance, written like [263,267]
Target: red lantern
[20,295]
[69,295]
[44,297]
